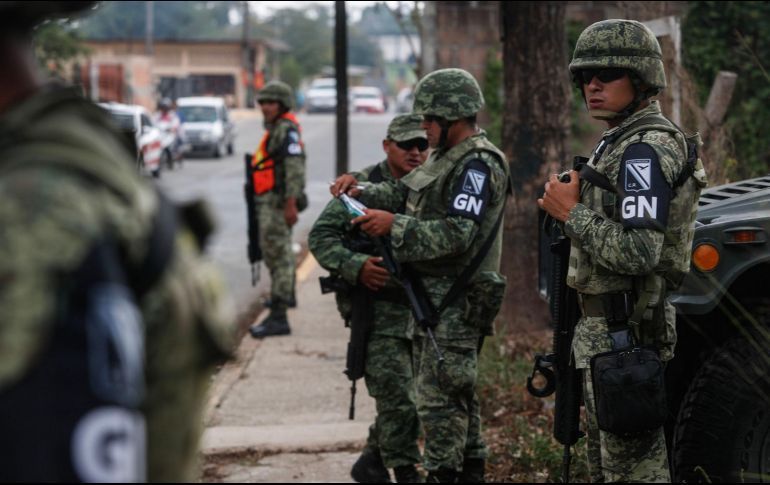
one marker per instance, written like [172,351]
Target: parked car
[364,99]
[322,96]
[136,119]
[405,100]
[206,125]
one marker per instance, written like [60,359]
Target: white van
[206,125]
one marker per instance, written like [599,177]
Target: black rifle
[423,311]
[557,368]
[255,252]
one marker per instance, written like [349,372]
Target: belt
[591,305]
[616,307]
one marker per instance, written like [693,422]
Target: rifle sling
[461,283]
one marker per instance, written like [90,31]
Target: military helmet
[23,16]
[621,43]
[451,94]
[277,91]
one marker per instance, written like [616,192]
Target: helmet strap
[445,125]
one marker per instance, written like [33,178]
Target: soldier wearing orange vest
[279,183]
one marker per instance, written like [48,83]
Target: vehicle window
[146,121]
[192,114]
[126,122]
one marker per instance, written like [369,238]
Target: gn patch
[293,143]
[471,194]
[645,192]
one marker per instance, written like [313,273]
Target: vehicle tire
[218,150]
[723,428]
[157,173]
[230,148]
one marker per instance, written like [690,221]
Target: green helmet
[621,43]
[277,91]
[451,94]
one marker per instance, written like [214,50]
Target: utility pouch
[629,391]
[485,296]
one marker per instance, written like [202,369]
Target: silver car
[206,125]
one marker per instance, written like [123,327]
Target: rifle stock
[254,250]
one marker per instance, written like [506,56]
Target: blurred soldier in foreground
[111,323]
[372,299]
[279,184]
[451,235]
[629,215]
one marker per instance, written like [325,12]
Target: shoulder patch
[645,192]
[471,193]
[293,143]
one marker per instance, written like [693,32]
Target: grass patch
[517,426]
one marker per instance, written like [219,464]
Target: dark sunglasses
[420,143]
[604,75]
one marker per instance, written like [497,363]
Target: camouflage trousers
[612,458]
[275,241]
[390,381]
[447,404]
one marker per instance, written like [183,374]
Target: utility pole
[149,28]
[248,59]
[341,70]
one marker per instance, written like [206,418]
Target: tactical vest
[268,175]
[430,193]
[675,257]
[76,414]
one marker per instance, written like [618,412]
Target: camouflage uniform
[286,148]
[67,184]
[621,245]
[388,370]
[439,234]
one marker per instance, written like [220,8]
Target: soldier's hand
[375,222]
[372,275]
[290,212]
[560,197]
[345,185]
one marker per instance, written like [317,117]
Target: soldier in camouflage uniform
[111,322]
[280,157]
[454,206]
[634,241]
[392,441]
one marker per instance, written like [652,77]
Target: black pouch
[629,391]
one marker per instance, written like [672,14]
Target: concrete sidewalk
[279,413]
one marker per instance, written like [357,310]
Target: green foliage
[492,88]
[55,44]
[172,20]
[735,36]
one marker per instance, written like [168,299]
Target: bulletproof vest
[675,258]
[76,414]
[430,190]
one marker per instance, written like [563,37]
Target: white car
[322,95]
[206,125]
[404,100]
[365,99]
[136,119]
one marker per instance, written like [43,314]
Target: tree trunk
[535,130]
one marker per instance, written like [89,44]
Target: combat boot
[407,474]
[291,303]
[369,468]
[442,475]
[274,324]
[473,471]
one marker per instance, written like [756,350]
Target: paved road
[220,181]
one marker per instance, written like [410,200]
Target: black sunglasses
[420,143]
[604,75]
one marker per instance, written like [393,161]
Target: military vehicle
[719,380]
[718,384]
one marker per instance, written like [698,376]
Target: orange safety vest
[263,165]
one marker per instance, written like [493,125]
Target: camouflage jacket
[326,243]
[288,151]
[621,242]
[67,183]
[445,225]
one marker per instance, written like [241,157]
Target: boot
[473,471]
[369,468]
[442,475]
[274,324]
[407,474]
